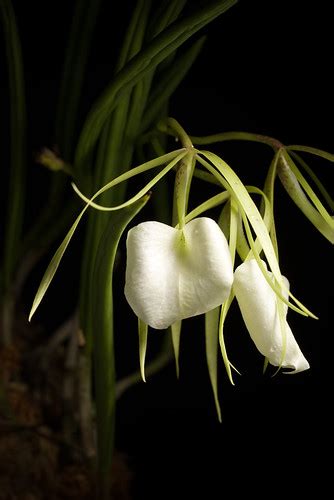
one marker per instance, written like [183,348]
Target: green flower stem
[183,180]
[313,151]
[172,127]
[77,51]
[289,175]
[237,136]
[184,172]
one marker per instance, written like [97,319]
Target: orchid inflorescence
[178,271]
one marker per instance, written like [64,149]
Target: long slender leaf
[168,82]
[75,62]
[16,189]
[166,13]
[77,50]
[116,147]
[159,48]
[104,362]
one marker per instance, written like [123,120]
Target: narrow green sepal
[176,335]
[142,335]
[211,348]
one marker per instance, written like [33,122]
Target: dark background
[265,68]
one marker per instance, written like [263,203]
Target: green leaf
[166,13]
[16,189]
[156,51]
[103,340]
[75,61]
[169,81]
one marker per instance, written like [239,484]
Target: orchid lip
[172,274]
[264,320]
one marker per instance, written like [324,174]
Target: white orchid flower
[259,307]
[174,274]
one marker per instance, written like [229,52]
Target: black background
[265,68]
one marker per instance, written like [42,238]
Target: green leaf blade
[160,47]
[103,334]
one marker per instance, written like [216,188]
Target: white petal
[173,274]
[258,305]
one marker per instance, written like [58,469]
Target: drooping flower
[174,274]
[259,307]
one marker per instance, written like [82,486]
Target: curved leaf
[103,340]
[156,51]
